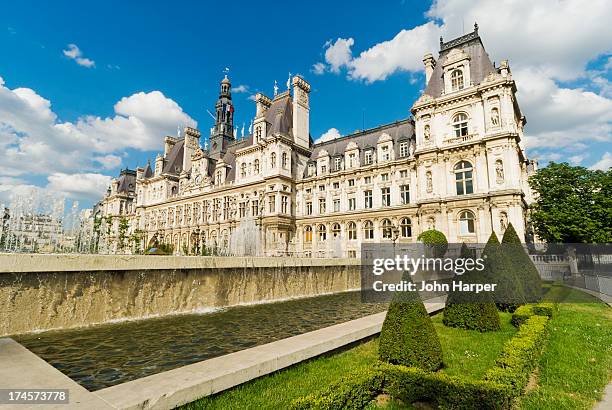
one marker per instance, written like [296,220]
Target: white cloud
[74,53]
[338,54]
[328,135]
[577,159]
[318,68]
[80,186]
[34,142]
[240,89]
[604,163]
[251,97]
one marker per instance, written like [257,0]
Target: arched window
[457,80]
[466,223]
[284,160]
[352,231]
[368,230]
[460,124]
[463,178]
[308,233]
[243,169]
[335,230]
[256,166]
[273,160]
[387,229]
[322,231]
[406,227]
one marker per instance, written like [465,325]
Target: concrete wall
[42,292]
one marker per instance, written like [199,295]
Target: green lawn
[573,370]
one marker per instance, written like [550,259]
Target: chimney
[263,103]
[301,112]
[192,143]
[504,68]
[430,64]
[168,144]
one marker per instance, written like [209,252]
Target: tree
[122,234]
[573,204]
[498,270]
[470,310]
[434,240]
[408,336]
[522,265]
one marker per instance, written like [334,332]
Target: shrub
[468,310]
[524,312]
[353,391]
[408,336]
[520,355]
[435,240]
[509,291]
[522,265]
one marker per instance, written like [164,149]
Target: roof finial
[275,88]
[475,28]
[289,81]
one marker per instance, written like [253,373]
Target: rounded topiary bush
[498,269]
[436,240]
[468,310]
[522,265]
[408,336]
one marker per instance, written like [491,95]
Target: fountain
[245,240]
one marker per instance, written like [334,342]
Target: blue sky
[87,89]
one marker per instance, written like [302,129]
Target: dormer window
[368,157]
[460,125]
[351,160]
[285,160]
[311,169]
[457,80]
[337,163]
[385,153]
[403,148]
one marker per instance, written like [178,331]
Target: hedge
[501,385]
[524,312]
[520,355]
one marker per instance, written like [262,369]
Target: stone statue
[427,133]
[275,88]
[495,117]
[289,82]
[412,147]
[429,182]
[499,171]
[503,221]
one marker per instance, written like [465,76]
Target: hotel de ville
[456,164]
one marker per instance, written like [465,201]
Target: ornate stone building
[457,165]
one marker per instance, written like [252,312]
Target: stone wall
[42,292]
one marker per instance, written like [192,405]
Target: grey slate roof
[127,181]
[230,155]
[174,161]
[480,64]
[280,116]
[398,131]
[148,172]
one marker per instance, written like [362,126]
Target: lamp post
[395,233]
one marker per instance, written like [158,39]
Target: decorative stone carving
[499,171]
[429,179]
[427,133]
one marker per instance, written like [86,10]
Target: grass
[465,352]
[573,370]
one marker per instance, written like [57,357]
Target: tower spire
[223,131]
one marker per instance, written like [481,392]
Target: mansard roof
[174,161]
[127,181]
[148,172]
[230,155]
[398,130]
[480,64]
[280,115]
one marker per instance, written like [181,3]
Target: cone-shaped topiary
[408,336]
[522,265]
[498,269]
[469,310]
[435,240]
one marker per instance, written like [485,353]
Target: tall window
[243,169]
[406,228]
[460,125]
[368,230]
[405,194]
[336,205]
[218,177]
[337,163]
[351,182]
[335,230]
[463,178]
[285,160]
[272,203]
[254,207]
[242,209]
[403,147]
[308,208]
[321,206]
[368,157]
[308,234]
[466,223]
[352,161]
[386,196]
[385,155]
[322,231]
[311,169]
[457,80]
[273,160]
[367,196]
[387,229]
[351,204]
[256,166]
[284,204]
[351,228]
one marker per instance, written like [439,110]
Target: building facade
[457,165]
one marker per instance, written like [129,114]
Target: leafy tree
[522,266]
[469,310]
[122,235]
[435,240]
[573,204]
[408,336]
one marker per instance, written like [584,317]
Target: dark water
[106,355]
